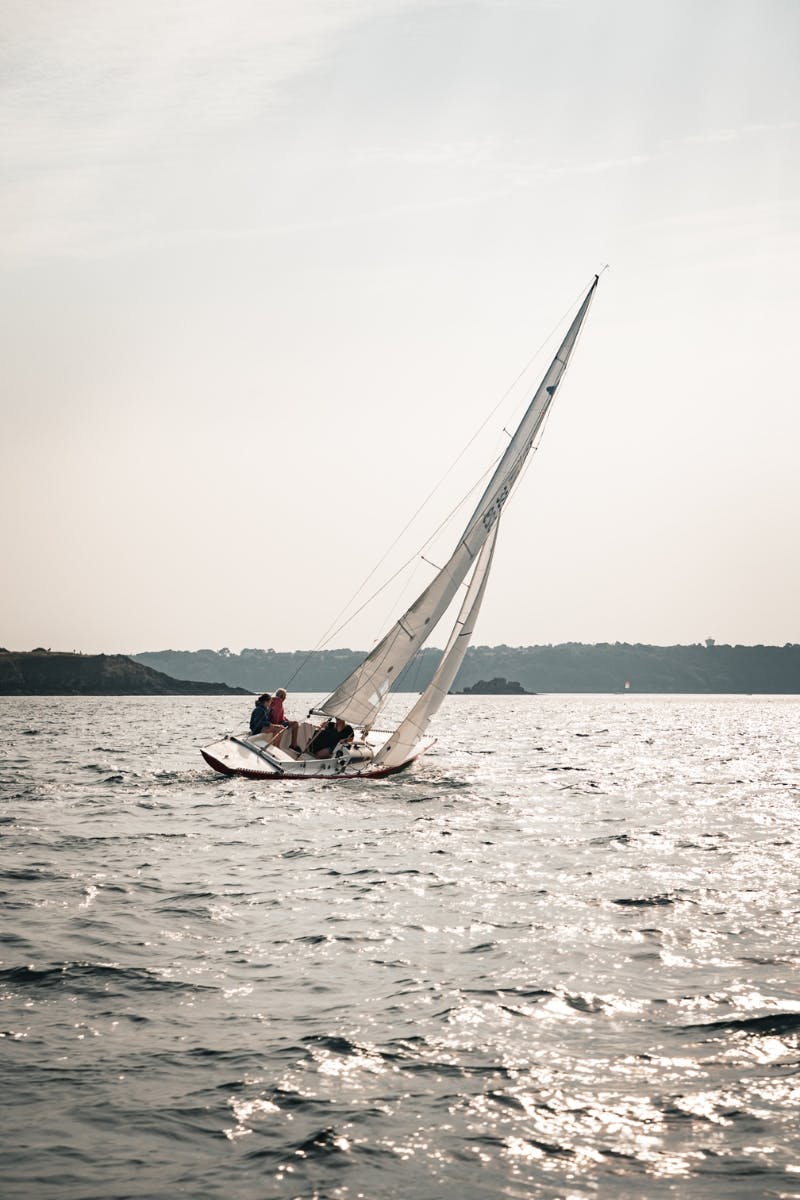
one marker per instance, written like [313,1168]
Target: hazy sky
[268,264]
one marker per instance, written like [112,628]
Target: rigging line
[327,635]
[416,553]
[437,567]
[421,556]
[396,603]
[521,401]
[332,629]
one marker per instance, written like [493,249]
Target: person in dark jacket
[325,741]
[259,717]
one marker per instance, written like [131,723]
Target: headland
[55,673]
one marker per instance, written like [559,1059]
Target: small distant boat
[359,700]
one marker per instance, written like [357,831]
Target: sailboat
[359,699]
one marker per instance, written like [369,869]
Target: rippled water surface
[558,960]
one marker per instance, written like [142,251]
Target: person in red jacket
[277,717]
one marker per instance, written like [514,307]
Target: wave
[28,874]
[777,1024]
[101,979]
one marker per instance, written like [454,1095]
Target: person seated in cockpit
[259,717]
[279,722]
[328,737]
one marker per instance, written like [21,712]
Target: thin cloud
[735,134]
[109,79]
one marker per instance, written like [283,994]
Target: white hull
[254,756]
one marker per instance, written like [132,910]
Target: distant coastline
[54,673]
[568,667]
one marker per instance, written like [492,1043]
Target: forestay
[360,697]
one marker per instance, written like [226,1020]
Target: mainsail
[400,745]
[361,696]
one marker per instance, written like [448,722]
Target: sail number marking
[496,507]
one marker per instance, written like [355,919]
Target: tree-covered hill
[569,667]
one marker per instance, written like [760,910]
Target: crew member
[325,741]
[259,717]
[277,718]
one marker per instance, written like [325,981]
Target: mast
[362,694]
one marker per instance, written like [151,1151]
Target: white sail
[360,697]
[400,745]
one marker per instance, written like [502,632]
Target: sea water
[558,959]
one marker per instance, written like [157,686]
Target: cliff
[46,673]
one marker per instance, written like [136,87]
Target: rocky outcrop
[496,687]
